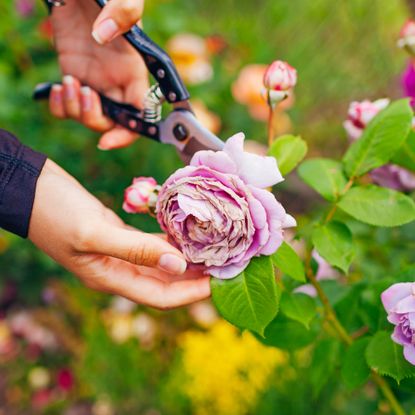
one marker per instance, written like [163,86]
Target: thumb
[137,248]
[116,18]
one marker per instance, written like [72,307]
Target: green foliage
[334,242]
[378,206]
[405,157]
[250,300]
[381,139]
[325,176]
[288,150]
[299,307]
[287,334]
[288,262]
[355,371]
[386,357]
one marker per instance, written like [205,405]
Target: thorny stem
[346,338]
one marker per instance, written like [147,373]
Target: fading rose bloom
[399,303]
[407,37]
[217,211]
[360,114]
[394,177]
[279,79]
[141,196]
[206,117]
[324,272]
[191,56]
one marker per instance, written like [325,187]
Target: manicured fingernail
[105,31]
[57,93]
[172,263]
[86,98]
[69,89]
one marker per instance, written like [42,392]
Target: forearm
[20,168]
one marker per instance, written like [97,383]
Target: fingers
[116,18]
[132,246]
[118,137]
[71,100]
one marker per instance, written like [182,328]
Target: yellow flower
[226,371]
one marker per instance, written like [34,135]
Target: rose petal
[406,305]
[398,336]
[216,160]
[256,170]
[409,353]
[394,294]
[227,272]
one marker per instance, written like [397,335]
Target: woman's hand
[74,228]
[82,34]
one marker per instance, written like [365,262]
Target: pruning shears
[180,127]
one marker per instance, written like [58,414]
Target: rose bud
[141,196]
[360,114]
[279,79]
[407,37]
[218,212]
[399,303]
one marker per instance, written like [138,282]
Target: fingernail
[172,263]
[56,93]
[105,31]
[69,89]
[100,147]
[86,98]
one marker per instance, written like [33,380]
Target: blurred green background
[343,51]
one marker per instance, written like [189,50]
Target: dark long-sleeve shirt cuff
[20,168]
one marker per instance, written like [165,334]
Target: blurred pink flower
[141,196]
[191,56]
[25,7]
[408,82]
[399,303]
[279,79]
[218,212]
[65,379]
[407,37]
[207,118]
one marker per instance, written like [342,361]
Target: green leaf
[378,206]
[405,156]
[355,371]
[288,150]
[250,300]
[334,243]
[288,334]
[381,139]
[298,307]
[325,176]
[287,260]
[325,358]
[386,357]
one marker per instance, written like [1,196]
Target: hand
[115,69]
[74,228]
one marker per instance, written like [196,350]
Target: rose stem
[270,124]
[332,211]
[346,338]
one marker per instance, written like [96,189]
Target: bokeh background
[67,350]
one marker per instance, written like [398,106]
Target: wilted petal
[396,293]
[255,170]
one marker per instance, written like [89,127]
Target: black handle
[158,63]
[125,115]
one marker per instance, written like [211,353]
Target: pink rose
[218,212]
[399,303]
[360,114]
[141,196]
[407,37]
[279,79]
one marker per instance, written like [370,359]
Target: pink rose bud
[360,114]
[407,37]
[279,79]
[141,196]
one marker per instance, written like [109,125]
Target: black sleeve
[20,168]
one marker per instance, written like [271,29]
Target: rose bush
[218,212]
